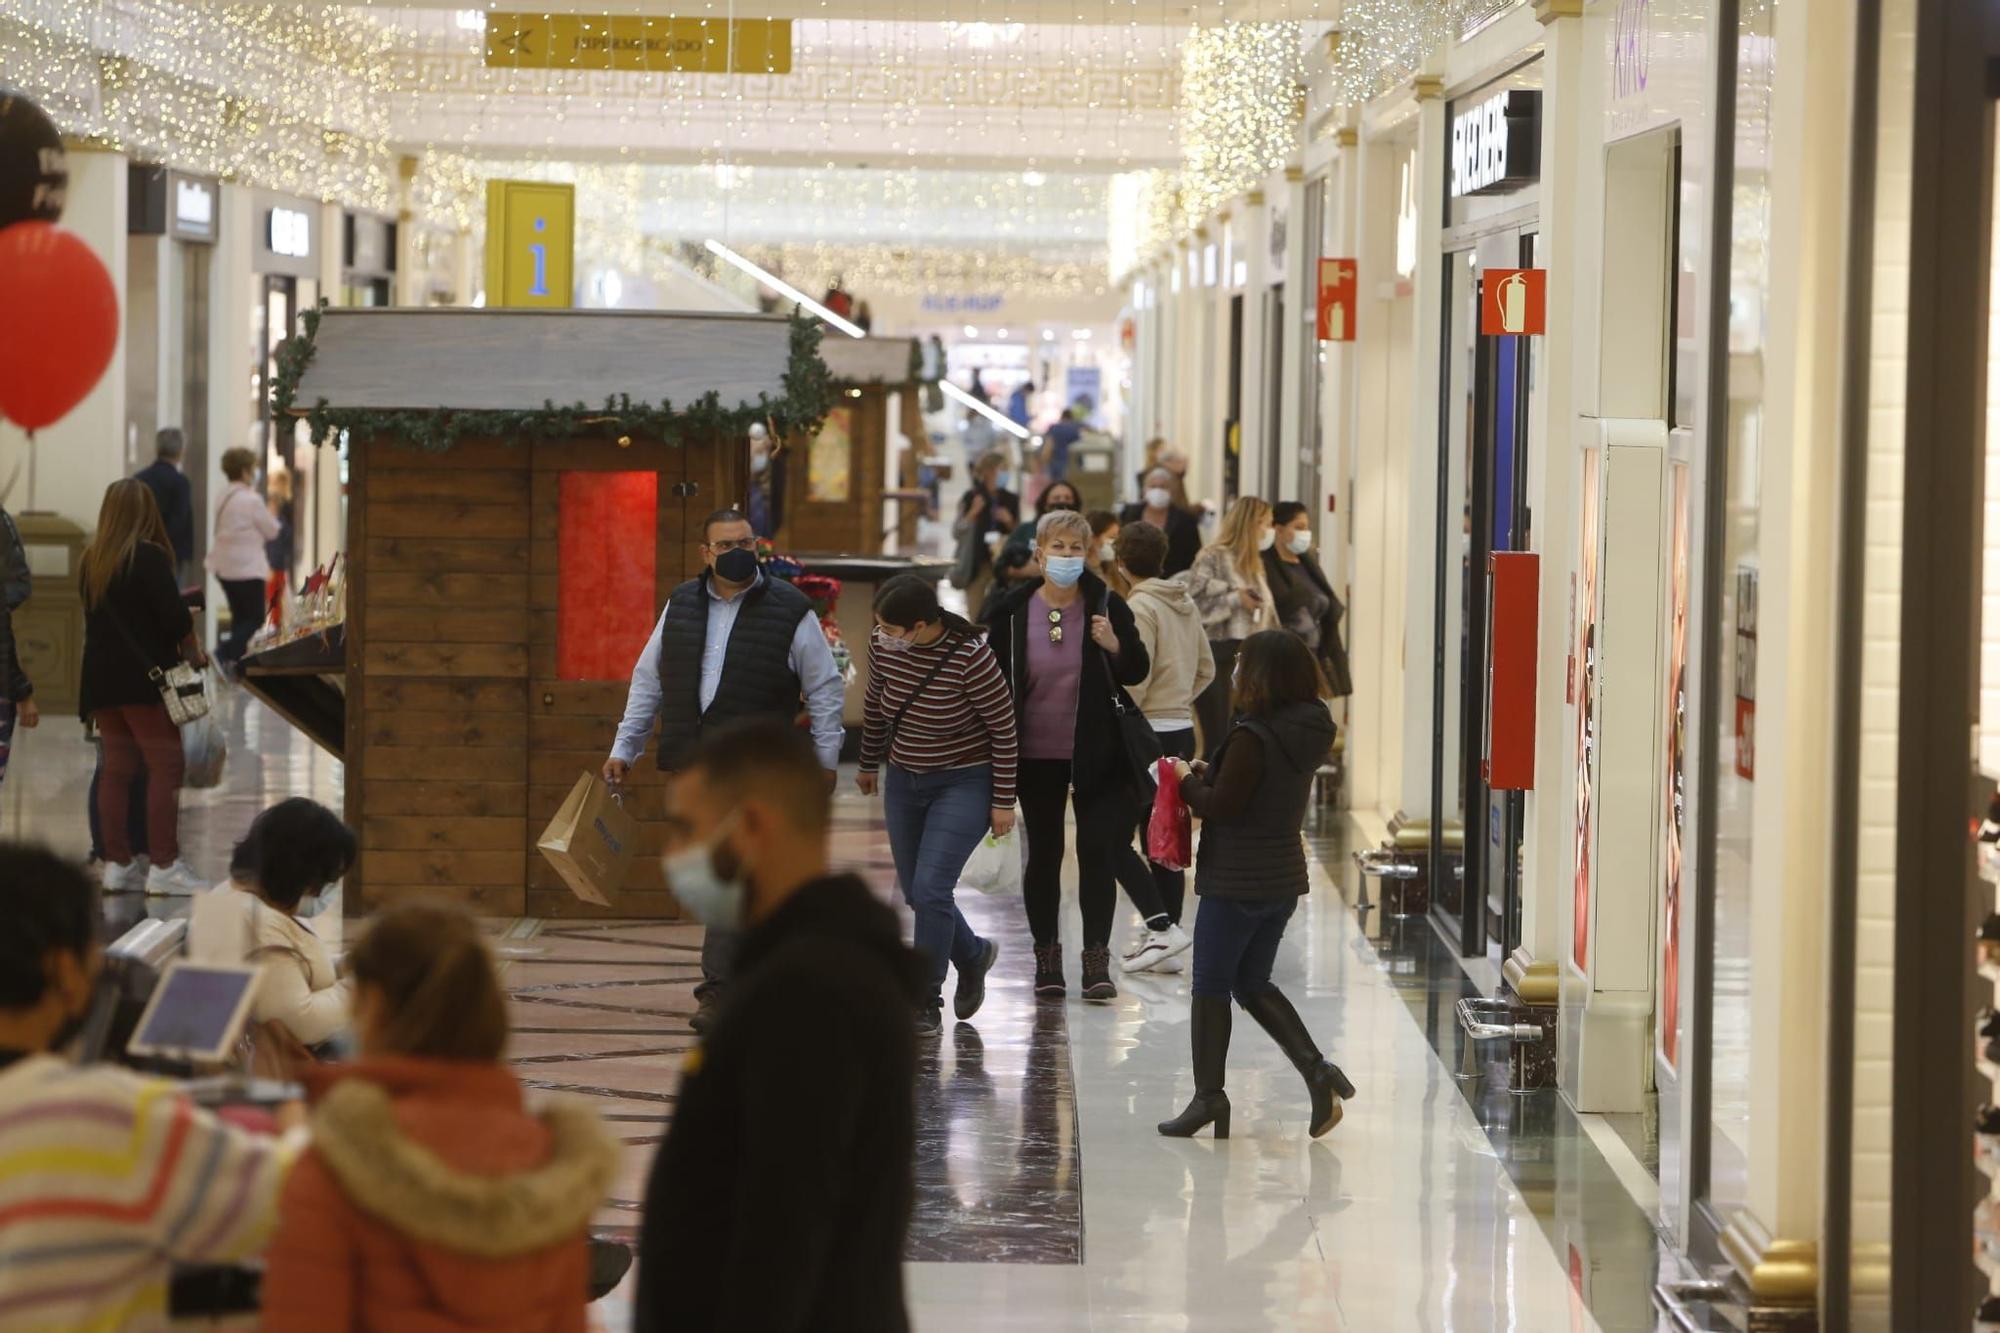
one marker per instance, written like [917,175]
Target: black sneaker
[930,1019]
[1097,975]
[707,1006]
[971,992]
[1049,984]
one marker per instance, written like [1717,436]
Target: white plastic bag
[995,866]
[204,748]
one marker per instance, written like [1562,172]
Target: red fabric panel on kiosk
[605,576]
[1510,684]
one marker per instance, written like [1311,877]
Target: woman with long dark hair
[1250,872]
[1302,599]
[135,625]
[1068,647]
[938,712]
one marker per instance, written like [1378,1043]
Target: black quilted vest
[757,676]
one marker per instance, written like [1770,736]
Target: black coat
[1183,537]
[176,500]
[1251,850]
[781,1198]
[1099,757]
[144,599]
[1332,649]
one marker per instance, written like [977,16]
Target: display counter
[305,682]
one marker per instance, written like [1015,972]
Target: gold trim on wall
[1778,1272]
[1535,982]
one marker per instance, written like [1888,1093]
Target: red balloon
[58,322]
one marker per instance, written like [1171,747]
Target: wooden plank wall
[853,526]
[437,674]
[461,739]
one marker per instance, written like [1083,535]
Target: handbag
[180,685]
[1170,831]
[1137,739]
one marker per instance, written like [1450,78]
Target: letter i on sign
[541,254]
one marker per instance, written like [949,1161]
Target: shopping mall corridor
[1045,1199]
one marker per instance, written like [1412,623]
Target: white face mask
[1267,539]
[708,897]
[1106,553]
[1300,541]
[1158,497]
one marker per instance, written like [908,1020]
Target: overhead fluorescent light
[785,289]
[999,419]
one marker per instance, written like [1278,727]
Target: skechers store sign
[1496,144]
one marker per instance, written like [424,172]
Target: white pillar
[1420,575]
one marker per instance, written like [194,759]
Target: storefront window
[1734,750]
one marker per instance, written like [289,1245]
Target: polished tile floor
[1046,1200]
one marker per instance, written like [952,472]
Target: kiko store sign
[1496,143]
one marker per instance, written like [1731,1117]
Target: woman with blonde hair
[237,556]
[135,626]
[1229,589]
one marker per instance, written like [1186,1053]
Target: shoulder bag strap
[922,685]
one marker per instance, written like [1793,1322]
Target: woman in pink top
[243,523]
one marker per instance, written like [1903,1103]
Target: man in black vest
[731,644]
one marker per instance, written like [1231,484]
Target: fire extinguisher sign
[1514,300]
[1337,292]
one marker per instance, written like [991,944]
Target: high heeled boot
[1328,1086]
[1208,1028]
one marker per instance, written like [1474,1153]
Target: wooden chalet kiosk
[840,480]
[507,556]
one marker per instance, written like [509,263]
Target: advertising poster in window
[1675,787]
[1586,709]
[830,462]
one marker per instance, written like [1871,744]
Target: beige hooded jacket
[1170,625]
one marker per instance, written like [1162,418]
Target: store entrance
[1482,509]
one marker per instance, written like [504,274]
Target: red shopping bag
[1170,832]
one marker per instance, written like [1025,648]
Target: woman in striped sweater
[939,711]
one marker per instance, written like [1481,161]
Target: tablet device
[197,1012]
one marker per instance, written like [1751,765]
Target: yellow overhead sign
[635,41]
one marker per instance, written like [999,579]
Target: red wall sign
[1514,300]
[1510,680]
[1337,292]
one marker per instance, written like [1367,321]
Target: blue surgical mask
[1063,570]
[707,896]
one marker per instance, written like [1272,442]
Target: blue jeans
[935,820]
[1235,944]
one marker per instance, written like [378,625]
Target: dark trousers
[1155,890]
[1211,706]
[246,614]
[934,822]
[1236,942]
[1103,822]
[140,737]
[718,959]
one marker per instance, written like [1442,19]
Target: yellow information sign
[530,226]
[637,41]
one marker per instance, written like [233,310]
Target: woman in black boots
[1250,872]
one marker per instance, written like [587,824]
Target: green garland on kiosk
[808,397]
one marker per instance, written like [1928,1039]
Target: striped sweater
[108,1178]
[965,715]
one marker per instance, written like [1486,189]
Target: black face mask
[1067,508]
[737,566]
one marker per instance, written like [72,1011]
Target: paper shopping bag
[591,841]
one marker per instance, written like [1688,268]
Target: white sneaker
[1167,965]
[1154,947]
[179,880]
[128,878]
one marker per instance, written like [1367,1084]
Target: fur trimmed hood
[494,1205]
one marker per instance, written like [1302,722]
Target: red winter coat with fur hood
[431,1201]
